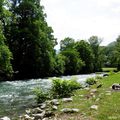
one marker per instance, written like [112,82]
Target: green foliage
[98,77]
[64,88]
[95,45]
[31,40]
[67,43]
[59,65]
[118,53]
[91,81]
[41,96]
[73,63]
[110,55]
[86,54]
[5,58]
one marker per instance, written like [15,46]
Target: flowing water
[16,96]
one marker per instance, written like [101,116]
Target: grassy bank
[107,100]
[109,69]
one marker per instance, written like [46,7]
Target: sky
[80,19]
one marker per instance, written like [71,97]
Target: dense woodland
[27,46]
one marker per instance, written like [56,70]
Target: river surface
[16,96]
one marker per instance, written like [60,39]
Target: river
[16,96]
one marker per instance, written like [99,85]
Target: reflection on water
[16,96]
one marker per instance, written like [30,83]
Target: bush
[64,88]
[91,81]
[98,77]
[41,96]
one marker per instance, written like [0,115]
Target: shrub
[64,88]
[91,81]
[98,77]
[41,96]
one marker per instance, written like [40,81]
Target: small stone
[43,106]
[39,116]
[45,119]
[5,118]
[27,117]
[94,107]
[75,110]
[66,110]
[67,99]
[49,114]
[55,102]
[69,110]
[93,90]
[37,110]
[28,111]
[54,107]
[87,88]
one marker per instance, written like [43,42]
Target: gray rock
[69,110]
[45,119]
[105,75]
[49,114]
[55,102]
[37,110]
[28,111]
[67,99]
[39,116]
[43,106]
[93,90]
[94,107]
[5,118]
[27,117]
[54,107]
[116,86]
[66,110]
[74,110]
[87,88]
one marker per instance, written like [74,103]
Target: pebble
[94,107]
[67,99]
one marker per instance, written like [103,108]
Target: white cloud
[81,19]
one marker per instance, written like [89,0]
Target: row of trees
[27,45]
[81,56]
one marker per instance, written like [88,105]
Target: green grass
[108,105]
[109,69]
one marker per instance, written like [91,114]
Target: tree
[31,40]
[118,52]
[86,54]
[59,68]
[73,63]
[5,54]
[110,55]
[5,58]
[67,43]
[95,45]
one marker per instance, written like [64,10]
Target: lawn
[109,69]
[107,100]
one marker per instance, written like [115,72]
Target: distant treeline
[27,46]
